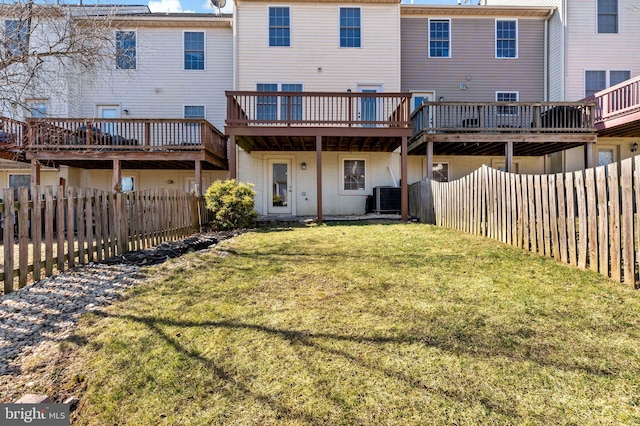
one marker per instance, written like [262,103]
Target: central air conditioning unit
[386,199]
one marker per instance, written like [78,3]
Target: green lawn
[359,325]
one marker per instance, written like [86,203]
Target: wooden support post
[588,155]
[233,173]
[35,172]
[430,160]
[198,178]
[319,177]
[508,157]
[404,187]
[117,176]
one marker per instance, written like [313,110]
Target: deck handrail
[503,117]
[125,134]
[618,100]
[13,133]
[331,109]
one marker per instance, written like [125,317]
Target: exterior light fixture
[634,147]
[441,99]
[303,166]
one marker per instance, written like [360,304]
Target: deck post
[404,187]
[233,173]
[319,178]
[35,172]
[117,176]
[430,160]
[198,178]
[588,155]
[508,157]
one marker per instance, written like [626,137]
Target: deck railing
[503,117]
[125,135]
[619,100]
[299,109]
[12,133]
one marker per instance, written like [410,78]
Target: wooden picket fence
[84,225]
[586,218]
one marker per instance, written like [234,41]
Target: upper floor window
[506,39]
[194,50]
[439,38]
[597,80]
[279,26]
[15,32]
[350,27]
[126,50]
[507,97]
[607,16]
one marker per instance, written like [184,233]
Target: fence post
[8,217]
[195,213]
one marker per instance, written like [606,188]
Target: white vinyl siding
[160,88]
[315,56]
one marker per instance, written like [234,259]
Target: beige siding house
[592,45]
[329,52]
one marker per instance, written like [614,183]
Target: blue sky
[204,6]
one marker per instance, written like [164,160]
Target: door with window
[424,117]
[370,108]
[279,191]
[108,111]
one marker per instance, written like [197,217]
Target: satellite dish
[218,4]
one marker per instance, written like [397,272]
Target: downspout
[546,56]
[563,17]
[235,45]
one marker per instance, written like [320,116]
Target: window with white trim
[194,56]
[16,181]
[192,134]
[597,80]
[607,16]
[439,38]
[507,97]
[282,103]
[38,108]
[354,175]
[506,38]
[350,27]
[194,111]
[126,50]
[279,26]
[15,32]
[440,172]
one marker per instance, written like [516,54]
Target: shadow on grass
[470,344]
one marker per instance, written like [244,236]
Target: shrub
[231,203]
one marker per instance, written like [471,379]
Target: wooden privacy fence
[586,218]
[84,225]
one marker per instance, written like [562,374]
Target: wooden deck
[138,143]
[291,121]
[472,128]
[618,109]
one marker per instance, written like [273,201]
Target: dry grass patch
[371,324]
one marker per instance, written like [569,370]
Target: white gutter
[235,45]
[546,56]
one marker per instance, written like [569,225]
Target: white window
[440,172]
[354,177]
[350,27]
[279,26]
[126,50]
[597,80]
[607,16]
[506,39]
[127,183]
[15,32]
[194,56]
[606,156]
[439,38]
[38,108]
[194,111]
[192,134]
[16,181]
[281,105]
[507,97]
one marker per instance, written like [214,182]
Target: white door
[424,118]
[108,111]
[370,108]
[279,191]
